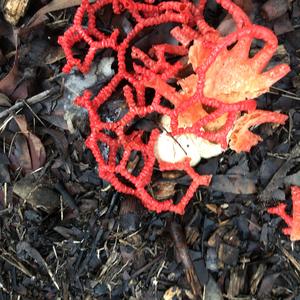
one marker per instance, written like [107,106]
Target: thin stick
[30,101]
[285,95]
[181,247]
[282,90]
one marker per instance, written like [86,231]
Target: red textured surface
[155,71]
[293,222]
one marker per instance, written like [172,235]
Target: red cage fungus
[293,222]
[209,105]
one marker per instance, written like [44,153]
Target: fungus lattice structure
[210,101]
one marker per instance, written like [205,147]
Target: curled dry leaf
[30,154]
[10,84]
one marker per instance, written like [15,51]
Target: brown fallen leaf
[9,84]
[40,194]
[7,31]
[35,147]
[20,156]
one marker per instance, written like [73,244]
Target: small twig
[35,255]
[291,123]
[2,287]
[6,211]
[3,126]
[162,128]
[61,208]
[147,266]
[12,260]
[283,91]
[30,101]
[5,194]
[183,253]
[291,258]
[285,95]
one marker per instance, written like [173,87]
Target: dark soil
[67,234]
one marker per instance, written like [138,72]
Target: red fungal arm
[208,106]
[280,211]
[293,222]
[295,233]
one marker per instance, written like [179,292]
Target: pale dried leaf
[14,10]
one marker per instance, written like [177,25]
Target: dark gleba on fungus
[212,109]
